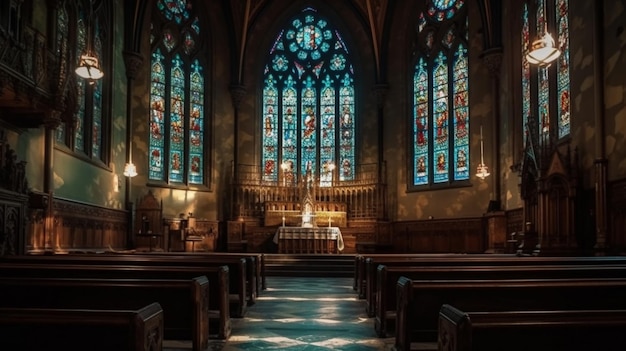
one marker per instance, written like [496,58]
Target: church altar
[309,240]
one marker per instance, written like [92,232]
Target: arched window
[441,116]
[308,103]
[177,91]
[87,132]
[546,106]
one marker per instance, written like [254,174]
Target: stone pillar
[52,120]
[132,63]
[492,59]
[237,94]
[600,163]
[380,91]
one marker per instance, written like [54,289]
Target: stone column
[492,59]
[132,62]
[496,219]
[237,93]
[600,163]
[52,120]
[380,91]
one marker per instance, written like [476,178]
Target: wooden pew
[371,264]
[368,264]
[385,293]
[218,301]
[238,282]
[82,329]
[531,330]
[184,302]
[419,301]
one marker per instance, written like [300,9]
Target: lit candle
[329,221]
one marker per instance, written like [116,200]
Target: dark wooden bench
[238,283]
[184,302]
[82,329]
[219,297]
[371,265]
[366,265]
[569,330]
[385,293]
[419,301]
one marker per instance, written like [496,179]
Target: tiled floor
[303,313]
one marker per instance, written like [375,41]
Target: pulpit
[307,240]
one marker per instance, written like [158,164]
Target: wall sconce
[88,65]
[543,51]
[482,171]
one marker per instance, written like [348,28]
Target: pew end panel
[80,329]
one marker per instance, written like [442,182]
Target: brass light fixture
[89,66]
[129,169]
[482,171]
[543,51]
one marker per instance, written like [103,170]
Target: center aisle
[305,313]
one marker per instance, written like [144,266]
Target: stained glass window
[546,103]
[562,68]
[543,77]
[526,110]
[86,130]
[177,96]
[440,108]
[308,107]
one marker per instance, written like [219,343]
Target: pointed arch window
[308,116]
[177,131]
[546,99]
[441,116]
[87,132]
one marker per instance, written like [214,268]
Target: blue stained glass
[196,124]
[270,125]
[525,72]
[338,62]
[280,63]
[441,118]
[308,106]
[543,74]
[563,70]
[177,96]
[157,117]
[346,140]
[327,137]
[309,126]
[461,115]
[177,10]
[420,127]
[442,10]
[177,118]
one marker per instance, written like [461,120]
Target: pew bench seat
[82,329]
[184,302]
[537,330]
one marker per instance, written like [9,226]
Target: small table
[152,237]
[193,239]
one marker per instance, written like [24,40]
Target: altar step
[309,265]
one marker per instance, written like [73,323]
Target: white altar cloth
[310,234]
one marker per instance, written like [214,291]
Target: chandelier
[543,51]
